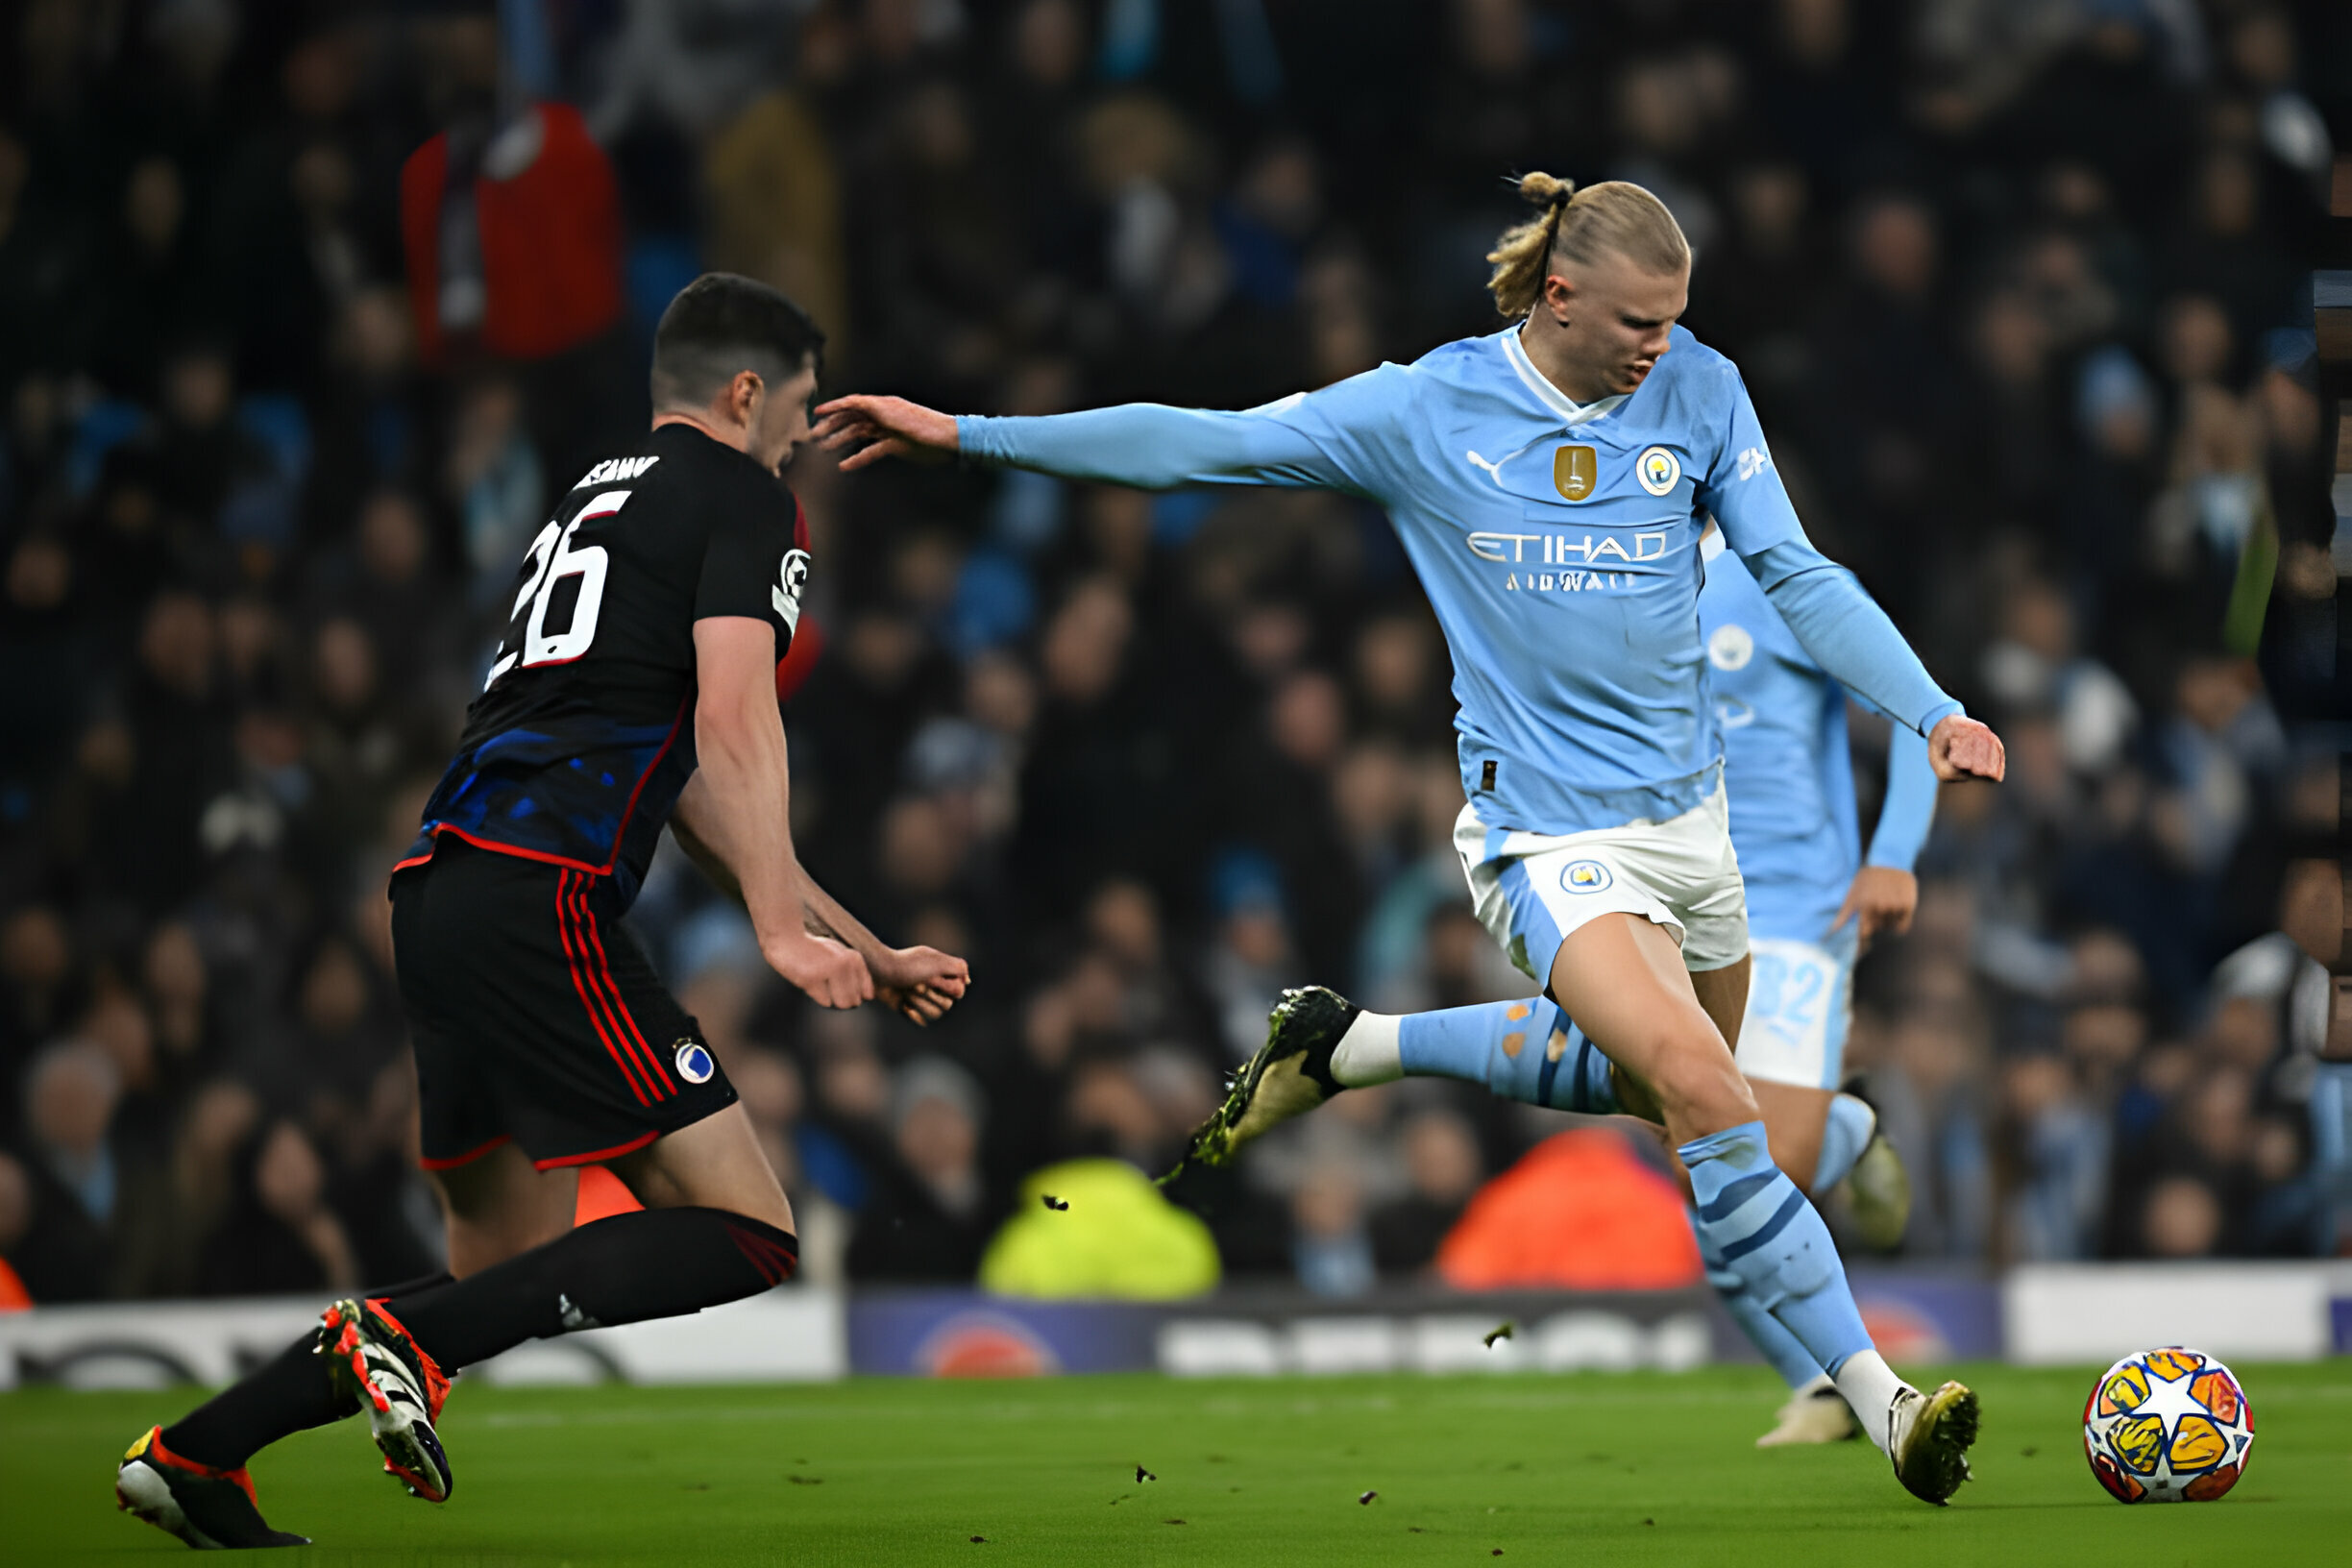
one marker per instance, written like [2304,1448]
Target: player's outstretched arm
[738,806]
[1144,444]
[1850,636]
[1841,626]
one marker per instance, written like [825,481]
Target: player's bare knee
[1697,1091]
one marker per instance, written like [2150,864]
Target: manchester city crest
[1657,469]
[1585,876]
[1731,648]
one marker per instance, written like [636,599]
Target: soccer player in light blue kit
[1547,483]
[1813,900]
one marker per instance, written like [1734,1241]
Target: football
[2167,1426]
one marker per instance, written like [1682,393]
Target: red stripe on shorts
[666,1085]
[579,984]
[658,1081]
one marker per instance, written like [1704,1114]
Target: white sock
[1367,1054]
[1870,1386]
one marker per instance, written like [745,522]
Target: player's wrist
[793,948]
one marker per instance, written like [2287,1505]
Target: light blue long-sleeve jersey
[1786,768]
[1558,542]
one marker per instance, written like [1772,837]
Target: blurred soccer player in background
[1548,483]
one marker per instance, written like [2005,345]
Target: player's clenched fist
[832,975]
[920,982]
[1961,747]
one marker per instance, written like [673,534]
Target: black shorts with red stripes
[536,1016]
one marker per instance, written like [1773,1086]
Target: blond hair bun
[1615,217]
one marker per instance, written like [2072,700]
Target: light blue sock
[1844,1137]
[1524,1050]
[1788,1358]
[1756,1220]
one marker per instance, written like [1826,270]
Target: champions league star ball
[2167,1426]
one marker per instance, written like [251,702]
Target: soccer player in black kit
[634,687]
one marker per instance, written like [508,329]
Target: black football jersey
[579,744]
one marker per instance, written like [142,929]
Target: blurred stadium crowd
[2021,288]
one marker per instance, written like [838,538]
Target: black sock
[293,1391]
[655,1262]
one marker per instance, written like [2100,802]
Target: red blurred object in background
[550,241]
[1578,1212]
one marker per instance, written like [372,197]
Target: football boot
[1290,1076]
[1928,1436]
[399,1388]
[1878,1186]
[1814,1414]
[211,1509]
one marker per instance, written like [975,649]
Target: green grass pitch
[1638,1468]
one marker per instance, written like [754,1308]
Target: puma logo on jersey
[792,577]
[1754,461]
[616,468]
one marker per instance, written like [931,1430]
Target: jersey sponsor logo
[1731,648]
[694,1062]
[1754,461]
[1566,582]
[1562,550]
[615,468]
[1585,876]
[1657,469]
[1574,470]
[791,578]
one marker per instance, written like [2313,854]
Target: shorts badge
[694,1062]
[1585,876]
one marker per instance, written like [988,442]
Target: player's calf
[1753,1220]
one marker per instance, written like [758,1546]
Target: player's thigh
[715,1163]
[500,1205]
[1621,977]
[1793,1120]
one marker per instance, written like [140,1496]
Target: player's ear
[1559,295]
[746,393]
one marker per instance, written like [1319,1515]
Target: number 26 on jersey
[550,560]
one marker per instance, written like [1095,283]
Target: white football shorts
[1530,889]
[1800,1004]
